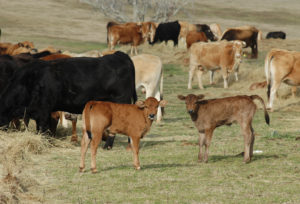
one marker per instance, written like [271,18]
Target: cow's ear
[140,104]
[163,103]
[199,97]
[181,97]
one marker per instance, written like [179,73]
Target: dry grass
[39,170]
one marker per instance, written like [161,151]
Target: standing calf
[133,120]
[210,114]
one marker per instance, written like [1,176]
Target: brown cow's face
[191,102]
[238,50]
[150,106]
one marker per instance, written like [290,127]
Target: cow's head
[150,106]
[191,102]
[148,31]
[238,50]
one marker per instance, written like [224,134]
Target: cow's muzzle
[190,111]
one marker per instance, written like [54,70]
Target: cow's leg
[109,142]
[135,143]
[191,75]
[96,139]
[74,137]
[294,90]
[201,143]
[248,139]
[199,73]
[131,50]
[211,76]
[159,111]
[135,50]
[225,77]
[274,89]
[254,50]
[85,141]
[208,137]
[252,141]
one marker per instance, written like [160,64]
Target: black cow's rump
[277,34]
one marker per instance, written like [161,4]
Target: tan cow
[129,33]
[281,66]
[148,74]
[210,114]
[133,120]
[15,49]
[223,55]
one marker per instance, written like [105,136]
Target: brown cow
[223,55]
[15,49]
[248,34]
[194,36]
[133,33]
[133,120]
[210,114]
[281,66]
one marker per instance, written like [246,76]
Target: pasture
[35,169]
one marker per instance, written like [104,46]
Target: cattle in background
[167,31]
[133,120]
[248,34]
[281,66]
[216,29]
[194,36]
[277,34]
[15,49]
[128,33]
[210,114]
[188,27]
[148,74]
[223,55]
[42,87]
[91,53]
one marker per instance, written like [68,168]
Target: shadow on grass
[151,166]
[217,158]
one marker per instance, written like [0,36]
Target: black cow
[167,31]
[206,29]
[277,34]
[42,87]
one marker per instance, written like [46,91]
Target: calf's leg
[191,75]
[248,140]
[135,142]
[208,137]
[85,141]
[201,143]
[96,139]
[199,73]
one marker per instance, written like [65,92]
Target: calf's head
[191,101]
[150,106]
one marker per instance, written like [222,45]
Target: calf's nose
[190,111]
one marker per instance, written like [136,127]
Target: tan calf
[133,120]
[223,55]
[210,114]
[281,66]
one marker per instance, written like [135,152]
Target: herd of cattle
[40,84]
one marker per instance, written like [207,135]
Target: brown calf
[210,114]
[194,36]
[133,120]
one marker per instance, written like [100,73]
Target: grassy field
[35,169]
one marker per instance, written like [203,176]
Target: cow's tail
[86,119]
[268,74]
[108,25]
[267,118]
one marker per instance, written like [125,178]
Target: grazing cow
[133,33]
[21,47]
[206,29]
[167,31]
[42,87]
[210,114]
[281,66]
[223,55]
[248,34]
[216,29]
[133,120]
[277,34]
[148,74]
[194,36]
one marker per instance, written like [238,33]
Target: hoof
[74,139]
[81,169]
[128,148]
[94,170]
[138,168]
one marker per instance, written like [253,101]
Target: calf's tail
[268,74]
[267,118]
[86,118]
